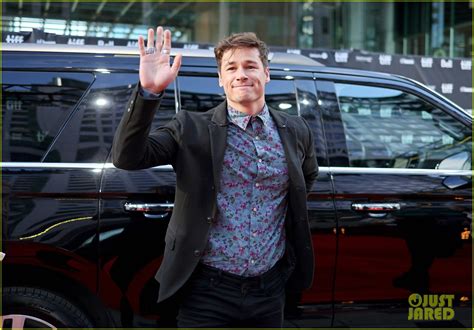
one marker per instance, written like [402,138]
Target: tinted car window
[35,105]
[281,95]
[167,108]
[308,109]
[200,93]
[204,93]
[390,128]
[88,135]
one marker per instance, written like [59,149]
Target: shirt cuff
[147,95]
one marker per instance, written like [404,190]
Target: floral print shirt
[248,236]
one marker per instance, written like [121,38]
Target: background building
[436,29]
[428,42]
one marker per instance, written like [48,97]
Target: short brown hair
[241,40]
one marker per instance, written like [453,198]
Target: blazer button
[197,253]
[209,219]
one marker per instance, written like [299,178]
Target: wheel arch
[21,275]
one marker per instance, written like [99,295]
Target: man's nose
[241,74]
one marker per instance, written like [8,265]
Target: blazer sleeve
[134,147]
[310,163]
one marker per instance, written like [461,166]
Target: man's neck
[250,109]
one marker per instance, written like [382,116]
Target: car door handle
[162,209]
[376,207]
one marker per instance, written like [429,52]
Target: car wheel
[25,307]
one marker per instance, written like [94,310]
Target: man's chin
[244,101]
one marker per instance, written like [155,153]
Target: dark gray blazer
[194,144]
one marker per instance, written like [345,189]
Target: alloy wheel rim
[18,321]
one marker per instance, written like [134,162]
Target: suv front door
[293,93]
[401,169]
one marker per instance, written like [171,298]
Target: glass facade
[436,29]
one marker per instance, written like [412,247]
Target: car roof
[198,57]
[30,56]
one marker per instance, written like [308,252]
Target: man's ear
[220,80]
[267,73]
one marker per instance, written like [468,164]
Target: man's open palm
[155,70]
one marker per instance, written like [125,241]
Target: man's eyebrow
[233,62]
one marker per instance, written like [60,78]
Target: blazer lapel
[288,139]
[218,138]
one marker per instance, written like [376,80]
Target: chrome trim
[322,169]
[377,215]
[92,166]
[150,207]
[147,207]
[92,49]
[156,216]
[52,165]
[376,207]
[398,171]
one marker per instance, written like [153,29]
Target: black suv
[390,213]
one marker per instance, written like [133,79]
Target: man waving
[239,231]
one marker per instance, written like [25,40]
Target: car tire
[26,307]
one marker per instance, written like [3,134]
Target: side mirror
[458,161]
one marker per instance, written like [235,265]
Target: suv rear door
[135,210]
[50,193]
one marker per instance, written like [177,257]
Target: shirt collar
[242,120]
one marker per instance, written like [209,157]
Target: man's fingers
[176,64]
[141,46]
[159,39]
[151,37]
[167,40]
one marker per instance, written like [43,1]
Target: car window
[281,95]
[309,110]
[35,105]
[204,93]
[389,128]
[168,107]
[200,93]
[88,135]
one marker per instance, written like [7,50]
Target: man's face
[243,76]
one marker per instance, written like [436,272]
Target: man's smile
[241,86]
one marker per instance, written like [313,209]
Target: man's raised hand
[155,70]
